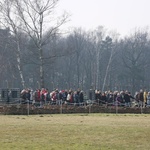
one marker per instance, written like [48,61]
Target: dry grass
[75,132]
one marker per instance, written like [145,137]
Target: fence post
[141,109]
[61,106]
[28,107]
[89,108]
[116,107]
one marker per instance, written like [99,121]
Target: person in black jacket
[127,98]
[81,97]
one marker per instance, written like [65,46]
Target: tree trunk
[107,70]
[41,68]
[19,62]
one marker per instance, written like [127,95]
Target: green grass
[75,132]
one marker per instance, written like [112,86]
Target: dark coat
[127,98]
[141,96]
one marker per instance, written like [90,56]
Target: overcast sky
[122,16]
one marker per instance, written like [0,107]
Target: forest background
[36,53]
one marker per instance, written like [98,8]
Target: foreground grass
[75,132]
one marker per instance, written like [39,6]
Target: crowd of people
[78,97]
[54,97]
[124,98]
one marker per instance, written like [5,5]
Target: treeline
[34,52]
[81,59]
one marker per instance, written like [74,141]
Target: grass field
[75,132]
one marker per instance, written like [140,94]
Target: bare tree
[134,51]
[108,46]
[78,41]
[9,19]
[99,34]
[36,18]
